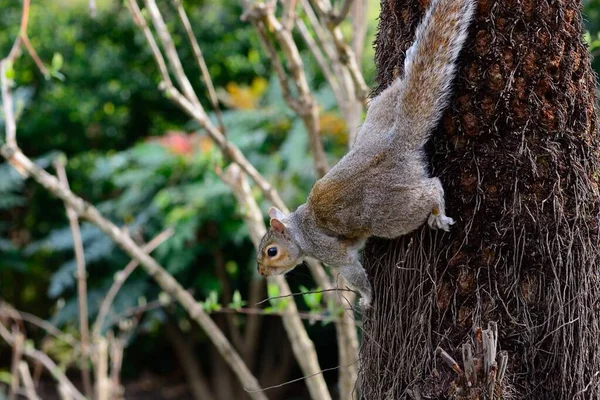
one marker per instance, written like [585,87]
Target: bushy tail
[430,66]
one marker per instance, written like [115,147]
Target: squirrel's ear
[276,213]
[277,225]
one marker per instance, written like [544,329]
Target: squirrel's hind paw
[440,221]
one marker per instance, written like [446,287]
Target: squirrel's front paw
[364,302]
[438,220]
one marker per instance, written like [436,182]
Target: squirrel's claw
[440,221]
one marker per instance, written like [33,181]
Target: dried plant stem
[337,18]
[302,346]
[162,277]
[350,106]
[84,328]
[263,18]
[92,7]
[171,52]
[199,115]
[115,346]
[122,276]
[9,118]
[17,353]
[101,369]
[212,94]
[42,358]
[191,367]
[346,54]
[27,381]
[9,311]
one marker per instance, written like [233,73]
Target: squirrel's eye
[272,251]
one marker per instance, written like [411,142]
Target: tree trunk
[517,152]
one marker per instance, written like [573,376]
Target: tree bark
[517,152]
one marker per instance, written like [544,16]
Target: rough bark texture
[517,152]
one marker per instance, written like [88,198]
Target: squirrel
[381,187]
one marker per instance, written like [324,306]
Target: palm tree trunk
[518,154]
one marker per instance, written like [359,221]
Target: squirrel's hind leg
[438,218]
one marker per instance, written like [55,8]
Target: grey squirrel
[381,187]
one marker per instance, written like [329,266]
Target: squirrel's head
[277,252]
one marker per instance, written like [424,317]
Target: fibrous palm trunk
[518,154]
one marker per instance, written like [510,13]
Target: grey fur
[381,187]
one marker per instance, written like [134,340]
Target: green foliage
[236,301]
[131,153]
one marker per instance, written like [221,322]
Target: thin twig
[140,21]
[199,115]
[84,327]
[337,18]
[155,270]
[302,293]
[92,7]
[304,377]
[17,345]
[261,16]
[101,369]
[10,125]
[303,347]
[9,311]
[122,276]
[212,94]
[320,57]
[42,358]
[171,52]
[34,56]
[27,381]
[116,346]
[288,14]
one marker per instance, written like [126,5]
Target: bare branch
[303,293]
[320,57]
[359,27]
[27,381]
[140,21]
[162,277]
[262,16]
[122,276]
[9,119]
[171,51]
[230,150]
[199,115]
[345,53]
[92,7]
[288,15]
[84,328]
[9,311]
[302,346]
[101,369]
[17,346]
[337,18]
[212,94]
[34,56]
[46,362]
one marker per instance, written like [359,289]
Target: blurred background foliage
[136,156]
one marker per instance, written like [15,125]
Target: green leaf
[312,300]
[9,71]
[5,377]
[57,62]
[236,302]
